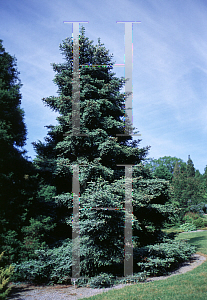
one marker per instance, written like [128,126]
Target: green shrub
[52,265]
[164,257]
[103,280]
[190,216]
[82,281]
[205,222]
[198,208]
[5,274]
[106,280]
[137,277]
[35,270]
[55,265]
[188,219]
[156,266]
[187,227]
[198,223]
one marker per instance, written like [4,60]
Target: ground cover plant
[188,286]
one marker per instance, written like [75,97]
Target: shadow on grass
[196,241]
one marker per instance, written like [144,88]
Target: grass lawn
[191,285]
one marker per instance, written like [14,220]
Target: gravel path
[63,292]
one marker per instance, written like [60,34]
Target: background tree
[163,167]
[204,184]
[13,166]
[21,226]
[187,187]
[190,168]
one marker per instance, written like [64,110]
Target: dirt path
[68,292]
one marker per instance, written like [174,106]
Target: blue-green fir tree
[102,114]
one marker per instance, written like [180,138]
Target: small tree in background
[190,168]
[188,191]
[163,167]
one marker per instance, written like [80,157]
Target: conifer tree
[101,117]
[187,187]
[176,170]
[204,184]
[179,183]
[190,168]
[12,163]
[16,185]
[98,154]
[193,190]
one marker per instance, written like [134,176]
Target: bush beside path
[187,285]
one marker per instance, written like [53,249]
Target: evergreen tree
[187,187]
[179,183]
[98,154]
[101,116]
[176,170]
[190,168]
[204,184]
[193,189]
[177,189]
[13,130]
[12,137]
[17,188]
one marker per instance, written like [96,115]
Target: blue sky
[169,64]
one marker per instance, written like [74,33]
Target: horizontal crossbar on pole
[75,21]
[102,208]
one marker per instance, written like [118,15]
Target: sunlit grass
[199,239]
[191,285]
